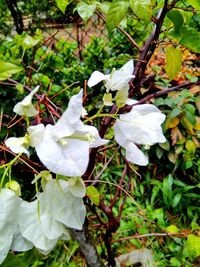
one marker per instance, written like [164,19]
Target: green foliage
[116,13]
[173,61]
[62,4]
[166,196]
[7,70]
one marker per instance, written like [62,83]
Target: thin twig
[181,235]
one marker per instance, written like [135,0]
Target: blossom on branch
[9,230]
[64,147]
[25,107]
[116,80]
[140,126]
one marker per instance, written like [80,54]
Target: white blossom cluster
[42,222]
[64,149]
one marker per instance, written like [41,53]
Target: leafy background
[165,194]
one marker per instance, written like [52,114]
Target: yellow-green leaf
[7,70]
[20,88]
[190,146]
[194,3]
[93,194]
[172,229]
[62,4]
[117,11]
[173,61]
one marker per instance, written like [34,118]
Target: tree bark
[16,14]
[87,246]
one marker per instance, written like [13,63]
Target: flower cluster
[42,222]
[64,149]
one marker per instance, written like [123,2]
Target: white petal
[9,203]
[128,67]
[96,78]
[77,187]
[18,144]
[94,139]
[19,243]
[6,236]
[66,208]
[25,107]
[130,101]
[135,155]
[36,134]
[27,100]
[51,228]
[118,80]
[30,226]
[69,158]
[145,109]
[70,119]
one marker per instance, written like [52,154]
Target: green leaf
[176,200]
[142,8]
[62,4]
[190,38]
[165,146]
[190,146]
[172,229]
[173,61]
[12,260]
[93,194]
[85,10]
[194,3]
[192,246]
[20,88]
[176,17]
[7,69]
[29,42]
[117,11]
[167,190]
[175,112]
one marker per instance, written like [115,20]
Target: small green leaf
[190,146]
[7,69]
[20,88]
[173,61]
[107,99]
[172,229]
[192,246]
[194,3]
[93,194]
[117,11]
[142,8]
[29,42]
[121,97]
[175,112]
[176,17]
[190,38]
[176,200]
[62,4]
[165,146]
[85,11]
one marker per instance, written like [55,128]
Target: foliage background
[165,194]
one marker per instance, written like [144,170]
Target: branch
[148,49]
[163,92]
[87,246]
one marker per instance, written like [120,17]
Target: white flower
[31,228]
[25,107]
[64,147]
[18,144]
[141,126]
[64,199]
[9,207]
[116,80]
